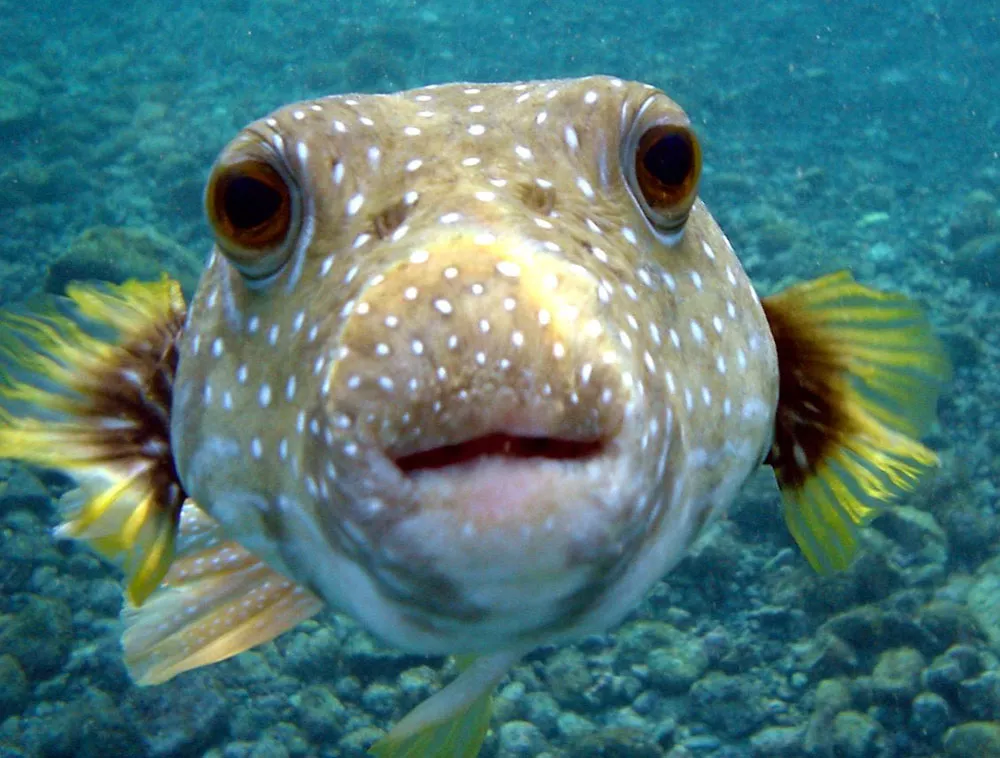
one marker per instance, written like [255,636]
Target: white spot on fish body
[354,204]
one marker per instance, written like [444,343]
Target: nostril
[500,445]
[390,219]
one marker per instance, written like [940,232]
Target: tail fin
[860,373]
[85,388]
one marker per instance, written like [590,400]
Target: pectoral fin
[860,373]
[86,384]
[217,600]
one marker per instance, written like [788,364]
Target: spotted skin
[465,260]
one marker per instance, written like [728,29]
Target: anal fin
[452,723]
[216,601]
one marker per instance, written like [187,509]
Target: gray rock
[730,704]
[520,738]
[116,254]
[39,635]
[973,738]
[919,536]
[635,641]
[703,744]
[980,697]
[930,716]
[542,710]
[574,727]
[896,677]
[857,735]
[417,684]
[321,714]
[832,696]
[313,656]
[380,699]
[778,742]
[508,703]
[356,744]
[984,600]
[569,678]
[945,672]
[675,668]
[948,623]
[179,718]
[265,747]
[23,498]
[976,216]
[19,104]
[13,687]
[827,655]
[349,689]
[362,655]
[90,726]
[860,626]
[617,743]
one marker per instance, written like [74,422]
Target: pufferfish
[471,363]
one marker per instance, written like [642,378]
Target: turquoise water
[840,134]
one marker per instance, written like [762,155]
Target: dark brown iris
[249,205]
[667,166]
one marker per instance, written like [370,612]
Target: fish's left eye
[249,204]
[664,168]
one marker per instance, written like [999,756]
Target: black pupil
[670,159]
[249,202]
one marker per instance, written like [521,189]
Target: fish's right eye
[667,164]
[249,204]
[661,160]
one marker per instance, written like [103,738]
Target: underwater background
[836,134]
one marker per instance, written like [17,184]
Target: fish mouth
[499,446]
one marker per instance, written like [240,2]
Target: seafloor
[836,134]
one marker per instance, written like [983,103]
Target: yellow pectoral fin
[859,376]
[453,722]
[85,388]
[216,601]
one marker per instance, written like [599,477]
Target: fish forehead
[425,193]
[534,159]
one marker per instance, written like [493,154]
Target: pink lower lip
[499,445]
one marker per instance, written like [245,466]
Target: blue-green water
[835,134]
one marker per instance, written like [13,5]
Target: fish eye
[664,171]
[249,205]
